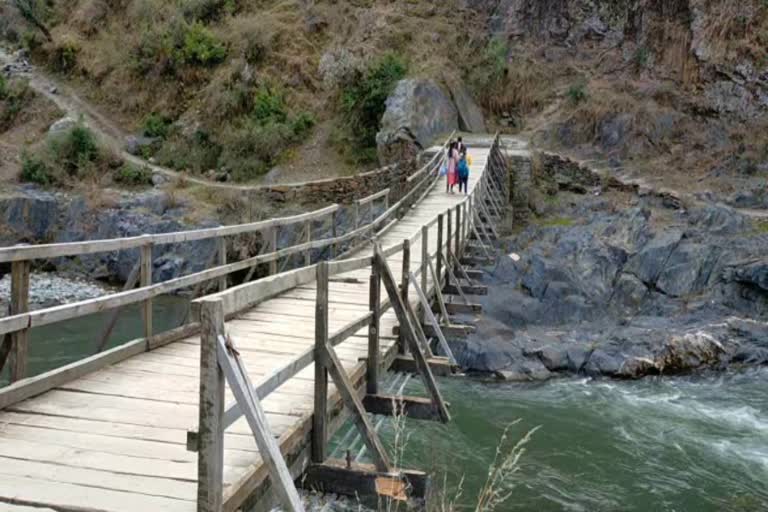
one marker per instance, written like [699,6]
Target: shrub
[207,10]
[15,95]
[64,56]
[269,106]
[363,101]
[156,125]
[577,93]
[133,175]
[201,47]
[35,170]
[197,154]
[74,151]
[641,57]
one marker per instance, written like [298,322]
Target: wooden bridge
[212,415]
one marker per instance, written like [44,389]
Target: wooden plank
[407,364]
[210,465]
[221,252]
[402,316]
[439,293]
[241,386]
[404,287]
[361,480]
[19,306]
[413,407]
[458,308]
[463,290]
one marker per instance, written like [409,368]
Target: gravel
[49,290]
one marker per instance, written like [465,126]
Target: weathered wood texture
[113,429]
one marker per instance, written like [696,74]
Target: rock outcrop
[606,289]
[417,112]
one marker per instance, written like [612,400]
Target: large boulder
[417,112]
[470,115]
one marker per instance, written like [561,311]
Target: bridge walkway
[116,439]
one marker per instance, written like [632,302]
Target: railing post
[319,418]
[19,305]
[273,248]
[404,289]
[374,300]
[307,239]
[458,230]
[210,458]
[144,281]
[448,237]
[357,214]
[221,243]
[424,263]
[439,260]
[334,234]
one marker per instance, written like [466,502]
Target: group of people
[457,166]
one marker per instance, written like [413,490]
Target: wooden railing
[14,329]
[456,225]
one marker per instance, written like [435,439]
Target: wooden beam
[410,334]
[412,407]
[465,289]
[440,366]
[348,394]
[374,304]
[320,416]
[424,263]
[458,308]
[145,281]
[404,286]
[432,321]
[439,262]
[363,480]
[237,376]
[210,459]
[439,292]
[19,305]
[221,251]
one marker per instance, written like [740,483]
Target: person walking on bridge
[453,159]
[463,172]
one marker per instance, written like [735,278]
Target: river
[674,444]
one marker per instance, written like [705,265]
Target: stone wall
[343,190]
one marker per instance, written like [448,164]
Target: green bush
[577,93]
[641,57]
[35,170]
[75,150]
[3,87]
[363,101]
[201,47]
[196,154]
[133,176]
[156,125]
[207,10]
[302,123]
[166,49]
[269,106]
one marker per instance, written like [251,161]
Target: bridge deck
[115,439]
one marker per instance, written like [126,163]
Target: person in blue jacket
[463,173]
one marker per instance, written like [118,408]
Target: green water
[55,345]
[674,444]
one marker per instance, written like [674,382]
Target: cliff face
[672,87]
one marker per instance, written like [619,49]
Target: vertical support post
[222,259]
[334,246]
[374,301]
[146,280]
[439,260]
[458,231]
[19,305]
[307,239]
[424,263]
[210,458]
[273,248]
[319,418]
[357,214]
[404,289]
[449,237]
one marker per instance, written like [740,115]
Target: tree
[34,12]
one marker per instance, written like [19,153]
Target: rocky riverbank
[618,285]
[46,290]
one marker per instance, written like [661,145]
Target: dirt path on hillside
[111,135]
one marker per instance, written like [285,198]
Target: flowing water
[659,444]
